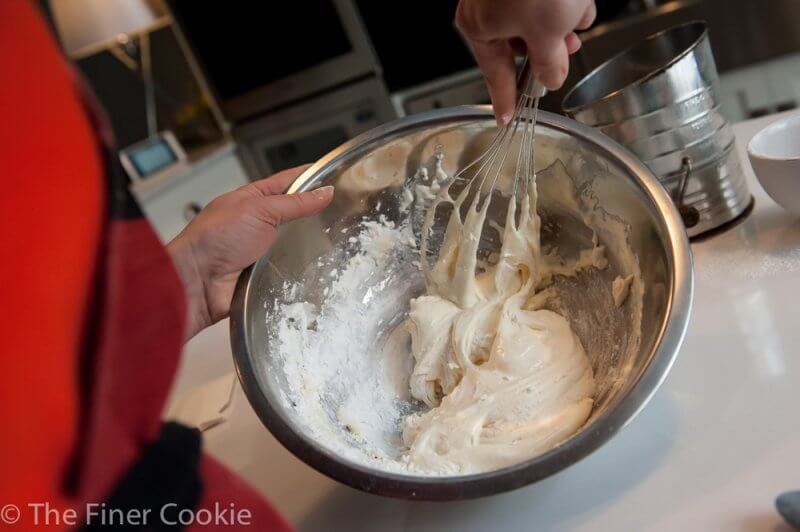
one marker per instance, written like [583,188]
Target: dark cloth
[162,482]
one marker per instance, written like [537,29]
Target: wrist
[183,258]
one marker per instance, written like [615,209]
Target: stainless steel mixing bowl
[631,347]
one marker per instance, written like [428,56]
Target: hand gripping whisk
[482,174]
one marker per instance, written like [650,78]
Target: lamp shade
[87,24]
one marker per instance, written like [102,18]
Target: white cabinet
[171,199]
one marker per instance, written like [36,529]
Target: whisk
[523,122]
[486,169]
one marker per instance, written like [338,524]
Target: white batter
[505,379]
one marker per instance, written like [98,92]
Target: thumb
[283,208]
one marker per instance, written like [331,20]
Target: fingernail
[323,193]
[504,120]
[552,81]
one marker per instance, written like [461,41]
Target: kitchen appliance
[660,99]
[622,185]
[258,56]
[286,100]
[304,132]
[152,155]
[442,73]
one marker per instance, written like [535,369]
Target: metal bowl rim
[577,447]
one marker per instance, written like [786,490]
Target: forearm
[183,258]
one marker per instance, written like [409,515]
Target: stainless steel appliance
[258,56]
[463,88]
[308,130]
[424,60]
[287,96]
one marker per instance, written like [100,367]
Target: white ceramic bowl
[774,153]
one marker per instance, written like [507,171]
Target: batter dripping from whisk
[506,380]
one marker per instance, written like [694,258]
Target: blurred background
[204,95]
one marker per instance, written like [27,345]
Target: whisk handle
[537,90]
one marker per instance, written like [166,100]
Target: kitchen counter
[712,449]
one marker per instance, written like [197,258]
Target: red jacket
[92,310]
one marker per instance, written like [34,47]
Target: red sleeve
[50,213]
[224,490]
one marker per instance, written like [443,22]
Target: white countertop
[713,448]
